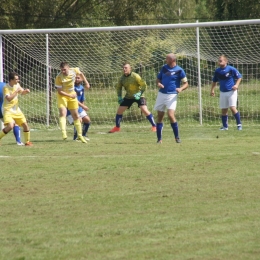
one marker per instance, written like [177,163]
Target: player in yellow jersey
[67,98]
[10,109]
[134,86]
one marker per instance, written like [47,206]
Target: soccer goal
[100,52]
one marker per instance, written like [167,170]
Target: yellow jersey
[132,84]
[66,82]
[10,106]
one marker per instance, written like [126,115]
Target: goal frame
[196,25]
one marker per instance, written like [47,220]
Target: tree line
[36,14]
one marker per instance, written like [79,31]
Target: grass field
[122,196]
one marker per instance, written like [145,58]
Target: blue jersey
[80,96]
[171,78]
[2,84]
[226,77]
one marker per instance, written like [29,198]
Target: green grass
[122,196]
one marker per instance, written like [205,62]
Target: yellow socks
[63,127]
[78,127]
[2,134]
[26,136]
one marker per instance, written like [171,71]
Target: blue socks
[225,121]
[237,117]
[85,128]
[118,120]
[16,131]
[151,119]
[159,128]
[175,129]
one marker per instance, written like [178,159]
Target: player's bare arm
[83,106]
[13,95]
[87,86]
[235,87]
[61,92]
[184,86]
[159,84]
[212,92]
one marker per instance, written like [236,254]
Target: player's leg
[142,104]
[174,124]
[17,135]
[159,126]
[27,134]
[86,124]
[119,115]
[62,121]
[8,127]
[223,105]
[77,124]
[171,104]
[159,107]
[232,104]
[62,105]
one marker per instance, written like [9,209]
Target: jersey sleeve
[58,82]
[159,76]
[142,84]
[6,92]
[236,74]
[215,78]
[183,76]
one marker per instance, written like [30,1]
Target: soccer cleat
[81,139]
[159,142]
[223,128]
[114,129]
[153,129]
[178,140]
[86,138]
[19,143]
[28,143]
[64,136]
[239,127]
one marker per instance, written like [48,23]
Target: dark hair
[12,75]
[126,63]
[63,64]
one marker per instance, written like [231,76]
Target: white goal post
[100,52]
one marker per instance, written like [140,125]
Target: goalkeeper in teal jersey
[134,86]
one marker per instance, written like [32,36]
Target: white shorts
[81,115]
[163,101]
[228,99]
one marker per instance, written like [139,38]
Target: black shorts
[129,102]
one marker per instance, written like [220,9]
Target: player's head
[222,61]
[127,68]
[13,78]
[64,68]
[78,80]
[171,59]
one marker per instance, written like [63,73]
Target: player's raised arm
[87,85]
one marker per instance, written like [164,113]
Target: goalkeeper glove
[120,100]
[138,95]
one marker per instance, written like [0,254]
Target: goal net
[100,52]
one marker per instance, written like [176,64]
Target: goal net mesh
[100,56]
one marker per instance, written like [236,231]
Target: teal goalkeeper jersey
[132,84]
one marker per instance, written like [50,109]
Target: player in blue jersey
[16,129]
[79,89]
[229,79]
[169,82]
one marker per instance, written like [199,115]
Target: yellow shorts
[18,118]
[67,102]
